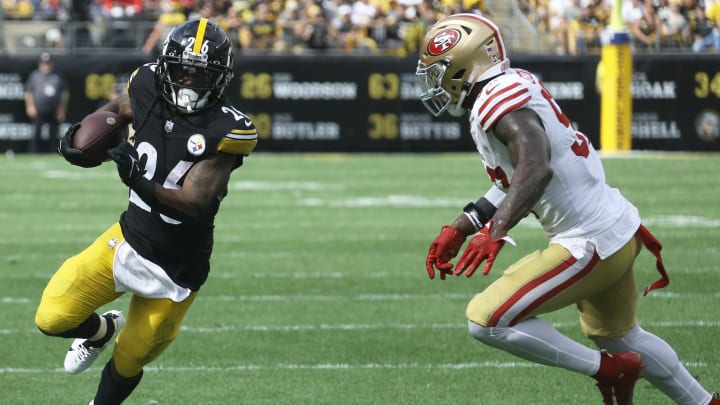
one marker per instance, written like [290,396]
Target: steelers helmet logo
[443,41]
[196,145]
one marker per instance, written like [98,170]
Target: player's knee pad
[481,333]
[495,336]
[52,324]
[55,324]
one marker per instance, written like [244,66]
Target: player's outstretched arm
[529,147]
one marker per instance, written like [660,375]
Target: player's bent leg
[152,324]
[612,312]
[541,282]
[503,315]
[662,369]
[83,283]
[609,319]
[537,340]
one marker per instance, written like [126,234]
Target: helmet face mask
[434,96]
[195,65]
[457,52]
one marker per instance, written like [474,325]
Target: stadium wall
[369,104]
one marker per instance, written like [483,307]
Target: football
[98,132]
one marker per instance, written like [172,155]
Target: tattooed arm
[522,132]
[205,183]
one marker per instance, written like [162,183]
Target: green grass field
[318,292]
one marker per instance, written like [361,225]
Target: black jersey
[172,143]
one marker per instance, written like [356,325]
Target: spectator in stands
[564,26]
[122,9]
[18,9]
[341,27]
[646,28]
[712,12]
[317,31]
[630,11]
[586,29]
[171,14]
[233,23]
[384,31]
[363,11]
[80,12]
[702,31]
[290,29]
[46,9]
[675,32]
[46,102]
[413,30]
[358,40]
[260,31]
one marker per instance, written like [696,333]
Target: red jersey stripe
[515,298]
[506,109]
[497,92]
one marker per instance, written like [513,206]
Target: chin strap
[467,86]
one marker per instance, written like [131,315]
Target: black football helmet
[195,65]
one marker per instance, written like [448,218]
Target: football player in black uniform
[187,142]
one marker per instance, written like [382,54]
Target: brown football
[98,132]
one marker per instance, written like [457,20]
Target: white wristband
[495,196]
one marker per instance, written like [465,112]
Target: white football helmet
[457,52]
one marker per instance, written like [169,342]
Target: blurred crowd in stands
[579,26]
[393,27]
[381,26]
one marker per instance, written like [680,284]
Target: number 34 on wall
[706,84]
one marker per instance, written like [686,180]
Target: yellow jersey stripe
[197,46]
[243,131]
[236,146]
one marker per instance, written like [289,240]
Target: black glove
[130,168]
[72,155]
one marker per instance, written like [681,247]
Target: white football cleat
[80,356]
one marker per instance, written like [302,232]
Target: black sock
[113,388]
[85,330]
[109,331]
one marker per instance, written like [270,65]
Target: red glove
[481,247]
[445,246]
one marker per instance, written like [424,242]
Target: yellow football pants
[604,291]
[84,282]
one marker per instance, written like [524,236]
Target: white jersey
[577,206]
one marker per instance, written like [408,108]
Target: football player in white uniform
[539,164]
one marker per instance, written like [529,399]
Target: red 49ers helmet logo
[443,41]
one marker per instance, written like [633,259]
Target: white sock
[102,330]
[537,340]
[662,369]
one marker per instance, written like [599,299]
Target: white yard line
[319,367]
[382,326]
